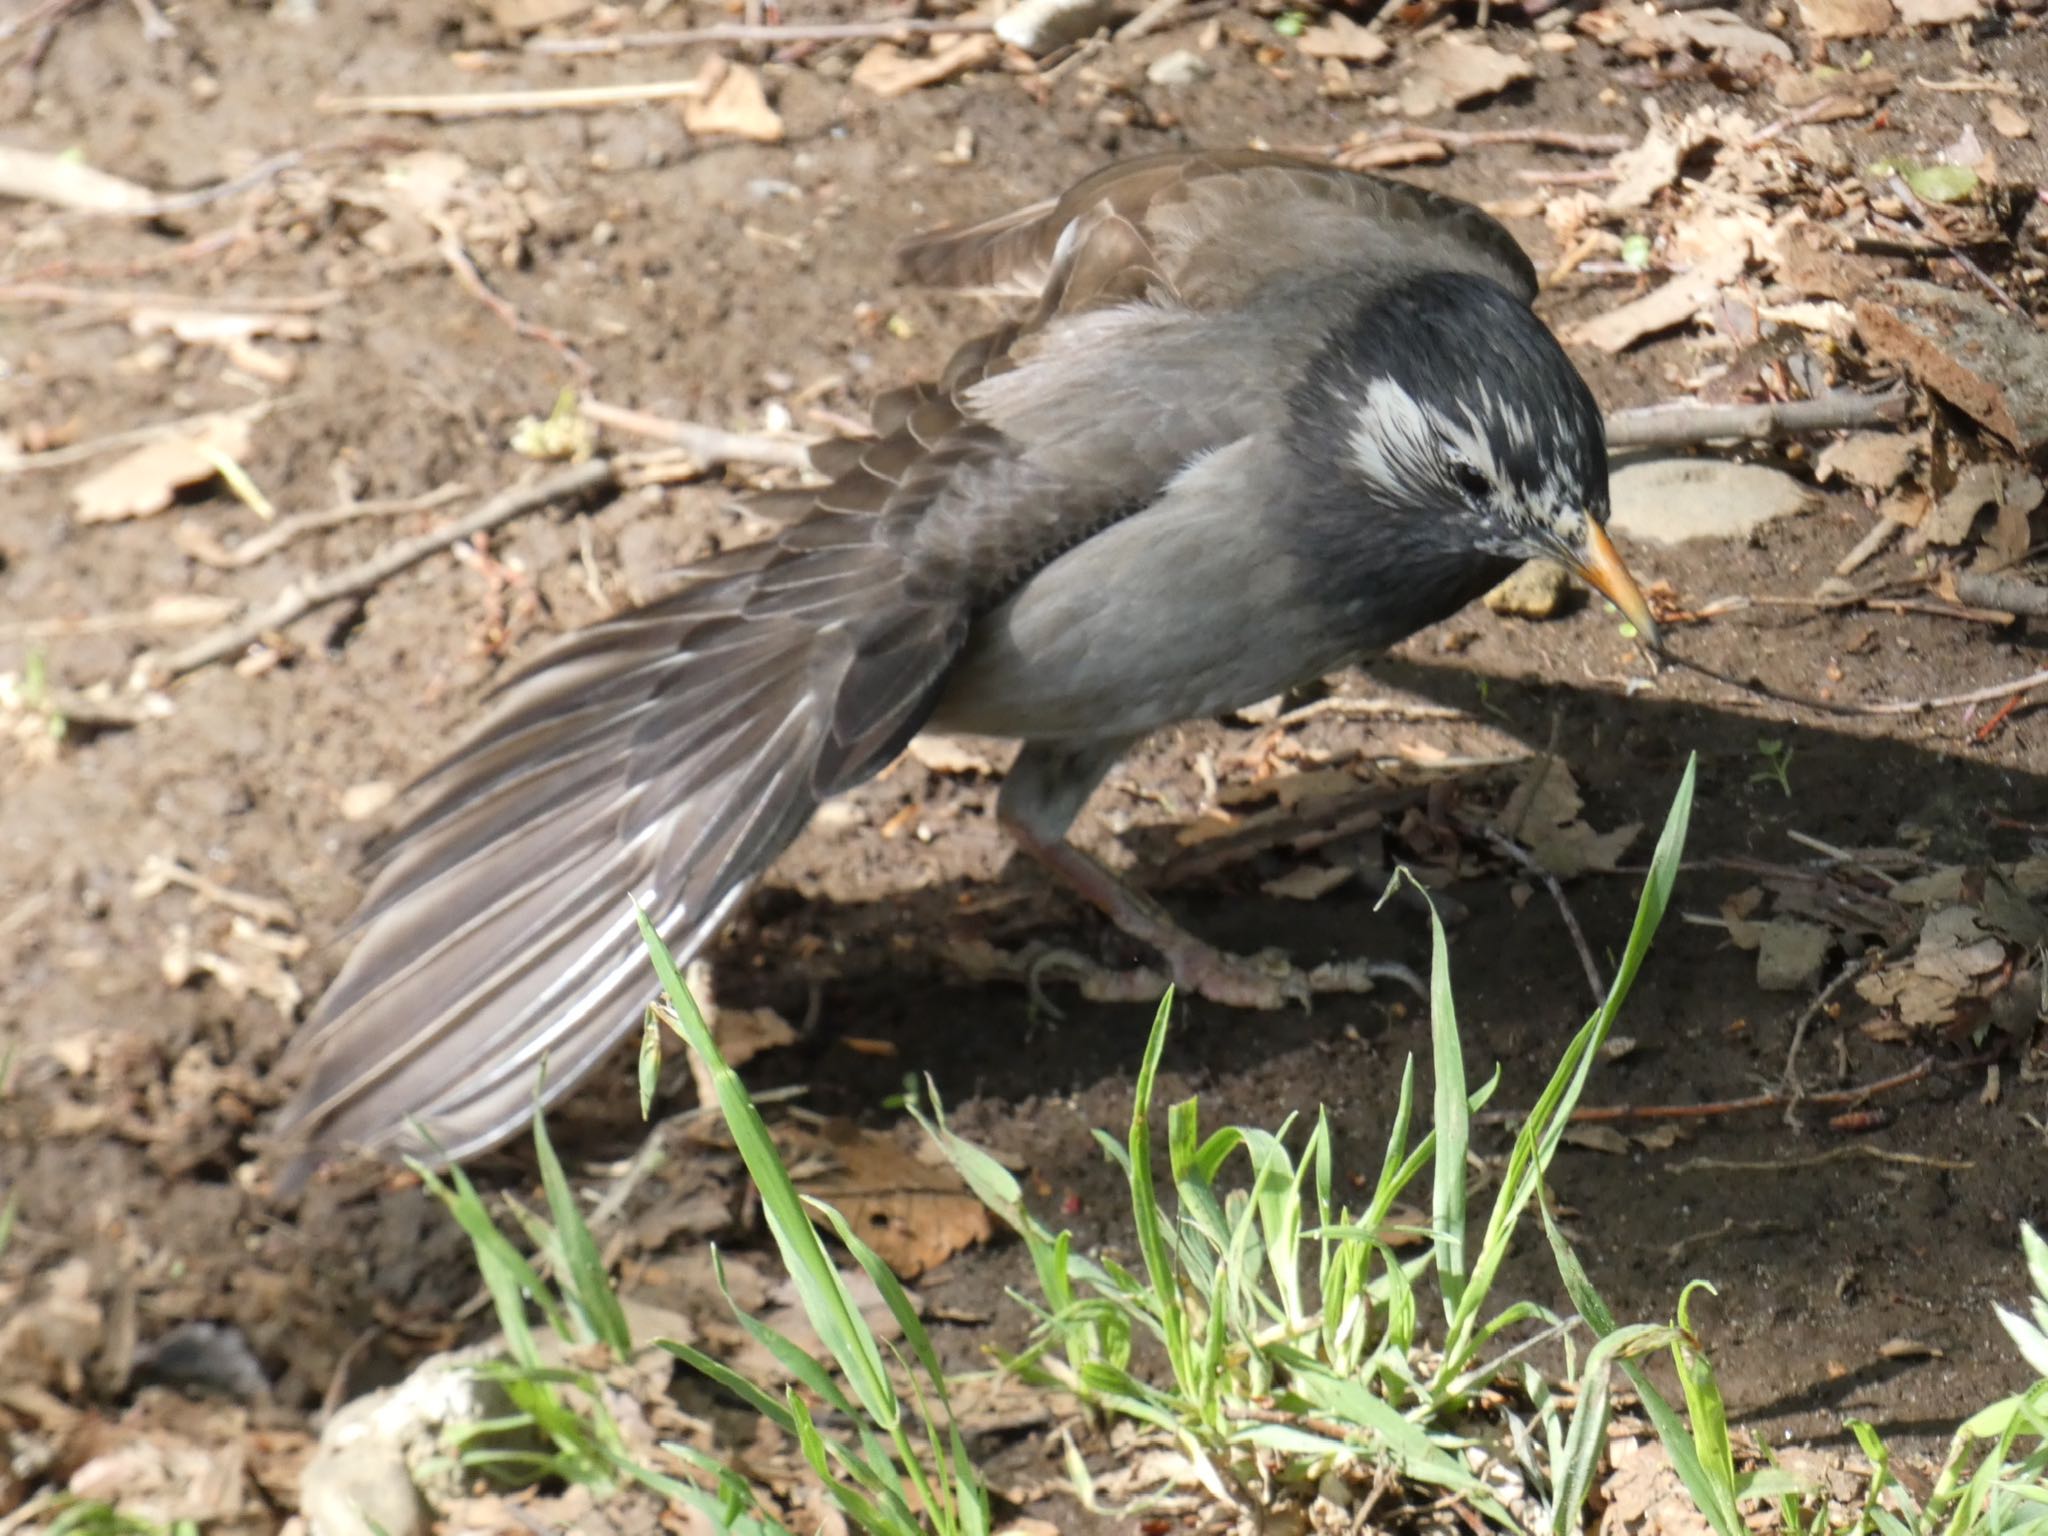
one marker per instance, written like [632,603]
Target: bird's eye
[1471,481]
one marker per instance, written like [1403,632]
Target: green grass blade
[589,1284]
[820,1289]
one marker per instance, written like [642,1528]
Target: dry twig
[1527,860]
[267,543]
[709,447]
[578,98]
[1684,425]
[743,32]
[1604,1114]
[301,598]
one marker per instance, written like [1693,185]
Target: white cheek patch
[1405,446]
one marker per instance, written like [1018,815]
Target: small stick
[1882,532]
[742,32]
[1527,860]
[466,274]
[267,543]
[1154,16]
[1955,253]
[2005,712]
[143,298]
[1811,1012]
[503,103]
[1683,425]
[1459,138]
[709,446]
[2007,592]
[1880,707]
[1993,616]
[1602,1114]
[301,598]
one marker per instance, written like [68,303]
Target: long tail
[665,756]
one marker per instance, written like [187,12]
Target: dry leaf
[143,483]
[1543,812]
[1598,1138]
[889,72]
[1909,1349]
[1661,309]
[529,15]
[1874,460]
[912,1214]
[1456,71]
[1846,18]
[1791,954]
[1940,13]
[950,754]
[1342,38]
[744,1033]
[1307,882]
[734,105]
[2007,121]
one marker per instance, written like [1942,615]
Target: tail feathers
[663,758]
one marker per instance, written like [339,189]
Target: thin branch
[2009,594]
[1527,860]
[507,103]
[465,271]
[741,32]
[1684,425]
[92,448]
[708,446]
[1807,1015]
[1604,1114]
[301,598]
[267,543]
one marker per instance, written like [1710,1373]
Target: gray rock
[1183,66]
[1675,501]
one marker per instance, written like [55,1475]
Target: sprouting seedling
[1777,764]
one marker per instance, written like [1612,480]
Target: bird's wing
[1208,230]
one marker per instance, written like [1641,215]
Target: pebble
[1181,67]
[1539,590]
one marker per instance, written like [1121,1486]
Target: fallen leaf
[1673,304]
[1909,1349]
[950,754]
[529,15]
[1342,38]
[1598,1138]
[1940,183]
[1307,882]
[889,72]
[1791,954]
[2007,121]
[912,1214]
[734,105]
[744,1033]
[1940,13]
[1712,31]
[1457,70]
[1875,460]
[1955,950]
[144,483]
[1543,813]
[1846,18]
[1676,501]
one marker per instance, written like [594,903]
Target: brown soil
[690,279]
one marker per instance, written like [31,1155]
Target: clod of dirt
[1541,589]
[1675,501]
[1791,954]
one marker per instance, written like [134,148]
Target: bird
[1256,419]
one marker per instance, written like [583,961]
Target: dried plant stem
[743,32]
[301,598]
[1685,425]
[578,98]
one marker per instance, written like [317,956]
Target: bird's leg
[1043,791]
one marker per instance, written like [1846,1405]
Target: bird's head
[1449,402]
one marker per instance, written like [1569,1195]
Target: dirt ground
[720,282]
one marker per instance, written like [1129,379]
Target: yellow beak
[1601,569]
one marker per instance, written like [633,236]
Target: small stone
[1791,955]
[1181,67]
[1539,590]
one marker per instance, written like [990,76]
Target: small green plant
[1777,764]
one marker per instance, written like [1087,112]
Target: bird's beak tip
[1601,567]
